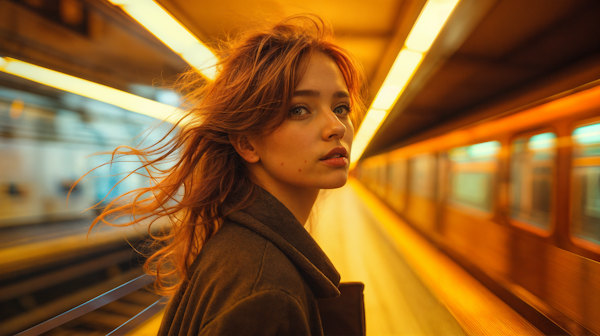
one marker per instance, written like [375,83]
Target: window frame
[495,185]
[545,233]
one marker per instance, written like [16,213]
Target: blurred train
[45,146]
[515,200]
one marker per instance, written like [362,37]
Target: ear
[243,146]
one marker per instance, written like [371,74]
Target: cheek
[288,150]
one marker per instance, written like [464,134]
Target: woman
[273,129]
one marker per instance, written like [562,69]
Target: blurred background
[474,203]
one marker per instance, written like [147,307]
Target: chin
[333,183]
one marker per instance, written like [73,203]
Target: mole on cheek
[304,161]
[299,170]
[282,163]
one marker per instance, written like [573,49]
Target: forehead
[322,73]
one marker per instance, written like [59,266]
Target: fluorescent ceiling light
[429,24]
[368,128]
[89,89]
[167,29]
[402,70]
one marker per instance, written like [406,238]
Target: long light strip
[429,24]
[167,29]
[89,89]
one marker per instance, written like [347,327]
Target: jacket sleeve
[271,312]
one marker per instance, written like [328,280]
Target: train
[515,200]
[48,141]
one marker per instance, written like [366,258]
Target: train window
[586,183]
[472,171]
[421,168]
[532,163]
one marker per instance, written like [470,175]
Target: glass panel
[472,171]
[472,189]
[532,163]
[587,140]
[586,183]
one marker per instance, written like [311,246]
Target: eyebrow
[315,93]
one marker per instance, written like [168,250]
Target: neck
[298,200]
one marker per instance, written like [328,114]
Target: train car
[515,199]
[47,143]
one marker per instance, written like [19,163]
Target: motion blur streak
[474,306]
[576,103]
[89,89]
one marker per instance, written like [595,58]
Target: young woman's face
[311,149]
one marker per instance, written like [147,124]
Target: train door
[468,211]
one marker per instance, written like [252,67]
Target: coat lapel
[271,219]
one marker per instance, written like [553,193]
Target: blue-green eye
[342,110]
[298,111]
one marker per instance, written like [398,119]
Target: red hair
[250,96]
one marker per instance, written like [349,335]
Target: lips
[337,152]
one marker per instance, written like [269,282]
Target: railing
[99,301]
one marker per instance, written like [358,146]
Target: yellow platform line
[477,309]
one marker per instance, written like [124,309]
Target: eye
[342,110]
[298,111]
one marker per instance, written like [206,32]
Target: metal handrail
[138,319]
[95,303]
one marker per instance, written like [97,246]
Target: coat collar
[272,220]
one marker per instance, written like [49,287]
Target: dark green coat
[260,274]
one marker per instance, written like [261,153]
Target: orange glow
[576,103]
[586,161]
[477,309]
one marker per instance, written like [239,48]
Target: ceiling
[365,28]
[492,56]
[489,51]
[519,52]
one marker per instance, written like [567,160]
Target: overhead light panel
[368,127]
[167,29]
[429,24]
[402,70]
[90,89]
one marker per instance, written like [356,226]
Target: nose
[334,128]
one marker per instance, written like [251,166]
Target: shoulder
[241,276]
[246,259]
[233,247]
[236,263]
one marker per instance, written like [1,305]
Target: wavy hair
[256,77]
